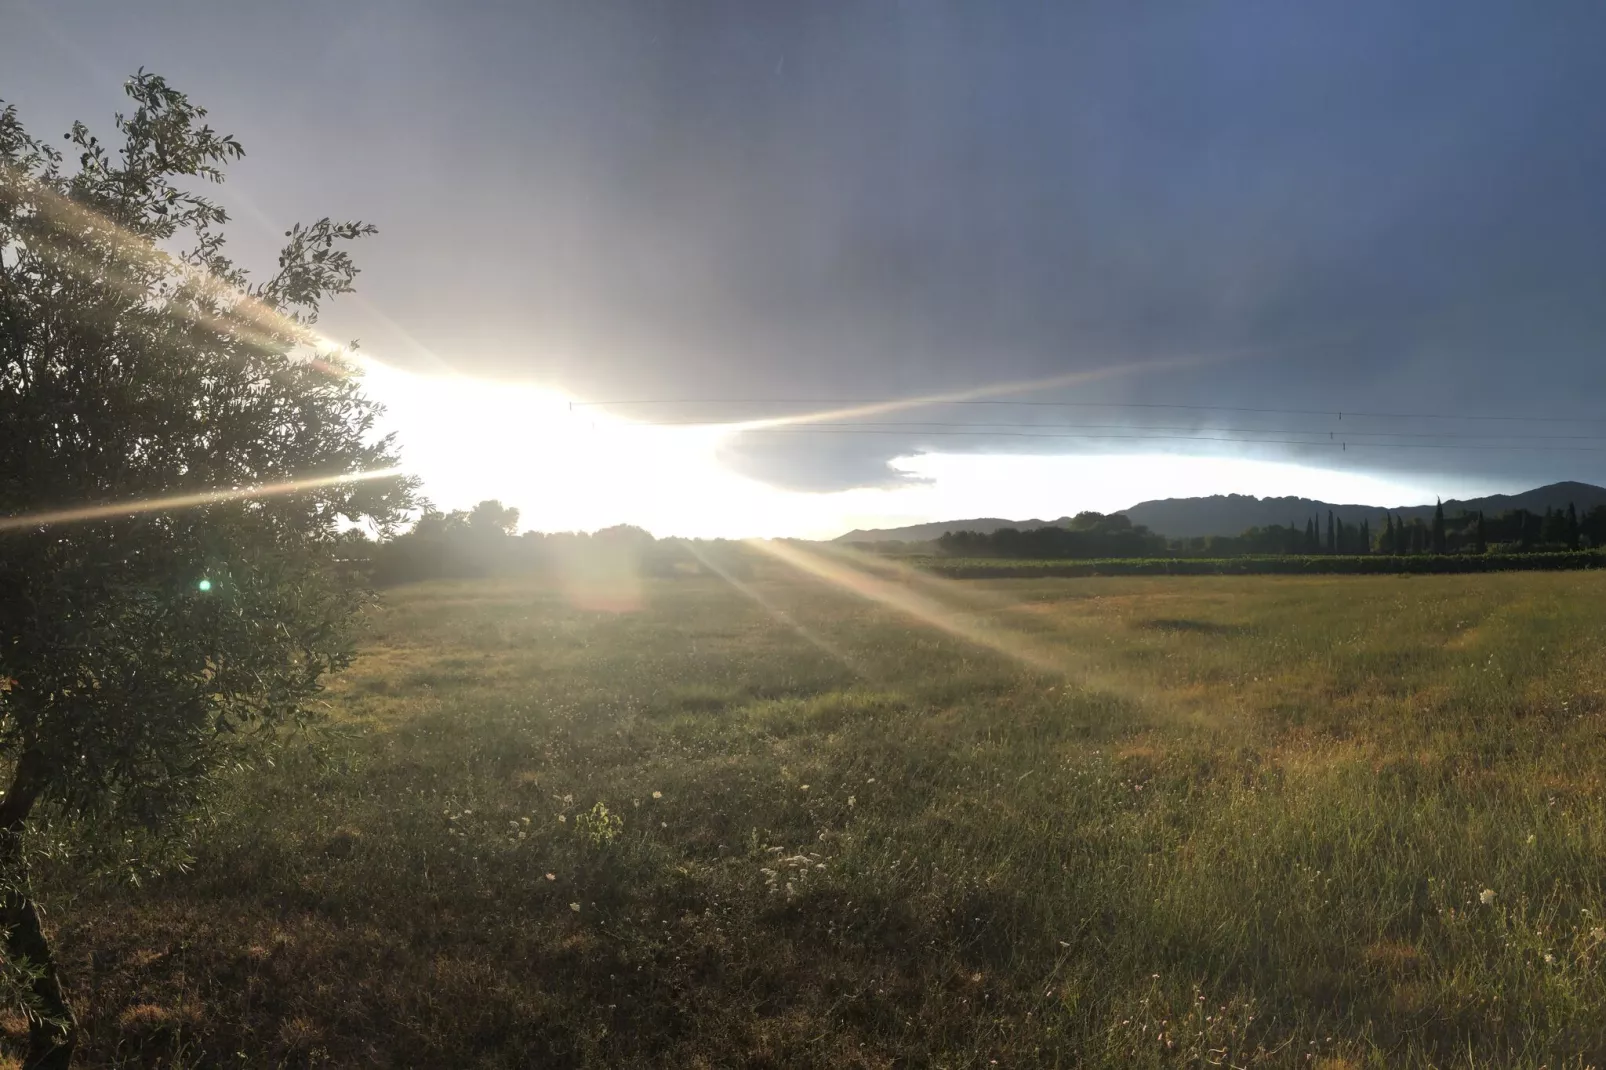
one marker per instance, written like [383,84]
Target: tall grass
[1289,821]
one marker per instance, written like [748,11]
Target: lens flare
[877,408]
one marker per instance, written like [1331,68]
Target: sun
[566,467]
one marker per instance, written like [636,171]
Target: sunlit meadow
[1336,822]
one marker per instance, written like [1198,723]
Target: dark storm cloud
[1378,206]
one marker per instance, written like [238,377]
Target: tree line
[483,541]
[1092,535]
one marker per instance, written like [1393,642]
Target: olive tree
[148,644]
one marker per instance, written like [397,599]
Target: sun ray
[186,501]
[877,408]
[927,610]
[824,645]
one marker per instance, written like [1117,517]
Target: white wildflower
[1486,897]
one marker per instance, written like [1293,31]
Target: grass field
[1216,821]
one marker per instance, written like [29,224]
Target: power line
[1335,443]
[1337,413]
[943,424]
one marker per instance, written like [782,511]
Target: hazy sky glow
[570,469]
[755,210]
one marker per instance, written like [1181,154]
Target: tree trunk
[52,1029]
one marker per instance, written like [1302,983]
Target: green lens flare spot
[205,585]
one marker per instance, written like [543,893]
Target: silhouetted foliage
[1090,535]
[477,542]
[1095,536]
[140,653]
[1592,526]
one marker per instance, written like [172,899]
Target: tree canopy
[148,642]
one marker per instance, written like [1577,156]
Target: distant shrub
[600,827]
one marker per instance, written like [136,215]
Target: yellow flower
[1486,897]
[657,795]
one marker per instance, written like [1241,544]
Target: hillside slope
[1232,514]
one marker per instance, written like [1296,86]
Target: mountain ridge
[1232,514]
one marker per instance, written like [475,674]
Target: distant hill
[1232,514]
[937,529]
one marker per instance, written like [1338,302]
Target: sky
[652,262]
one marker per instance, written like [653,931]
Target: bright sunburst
[565,468]
[572,467]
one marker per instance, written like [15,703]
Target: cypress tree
[1332,537]
[1572,527]
[1388,534]
[1438,528]
[1482,546]
[1366,537]
[1310,534]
